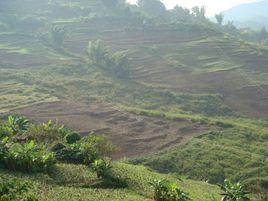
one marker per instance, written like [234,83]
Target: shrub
[72,138]
[233,191]
[15,190]
[5,131]
[27,158]
[70,154]
[85,151]
[94,147]
[166,191]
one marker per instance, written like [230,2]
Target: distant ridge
[254,15]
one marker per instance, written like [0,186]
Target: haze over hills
[253,15]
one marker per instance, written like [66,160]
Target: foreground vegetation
[95,177]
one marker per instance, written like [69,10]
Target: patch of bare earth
[136,135]
[17,60]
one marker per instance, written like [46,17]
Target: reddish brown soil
[15,60]
[250,100]
[135,135]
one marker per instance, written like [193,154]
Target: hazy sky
[212,6]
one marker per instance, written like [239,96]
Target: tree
[152,7]
[58,35]
[219,17]
[180,13]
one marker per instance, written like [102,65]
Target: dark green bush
[57,146]
[72,138]
[70,154]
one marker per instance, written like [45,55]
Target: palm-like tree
[233,191]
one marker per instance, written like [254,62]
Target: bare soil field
[135,135]
[16,60]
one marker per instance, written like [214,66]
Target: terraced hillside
[194,94]
[193,62]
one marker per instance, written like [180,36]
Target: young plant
[233,191]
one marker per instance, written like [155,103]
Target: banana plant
[28,157]
[102,168]
[181,195]
[161,189]
[167,191]
[18,124]
[233,191]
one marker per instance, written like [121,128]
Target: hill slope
[75,182]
